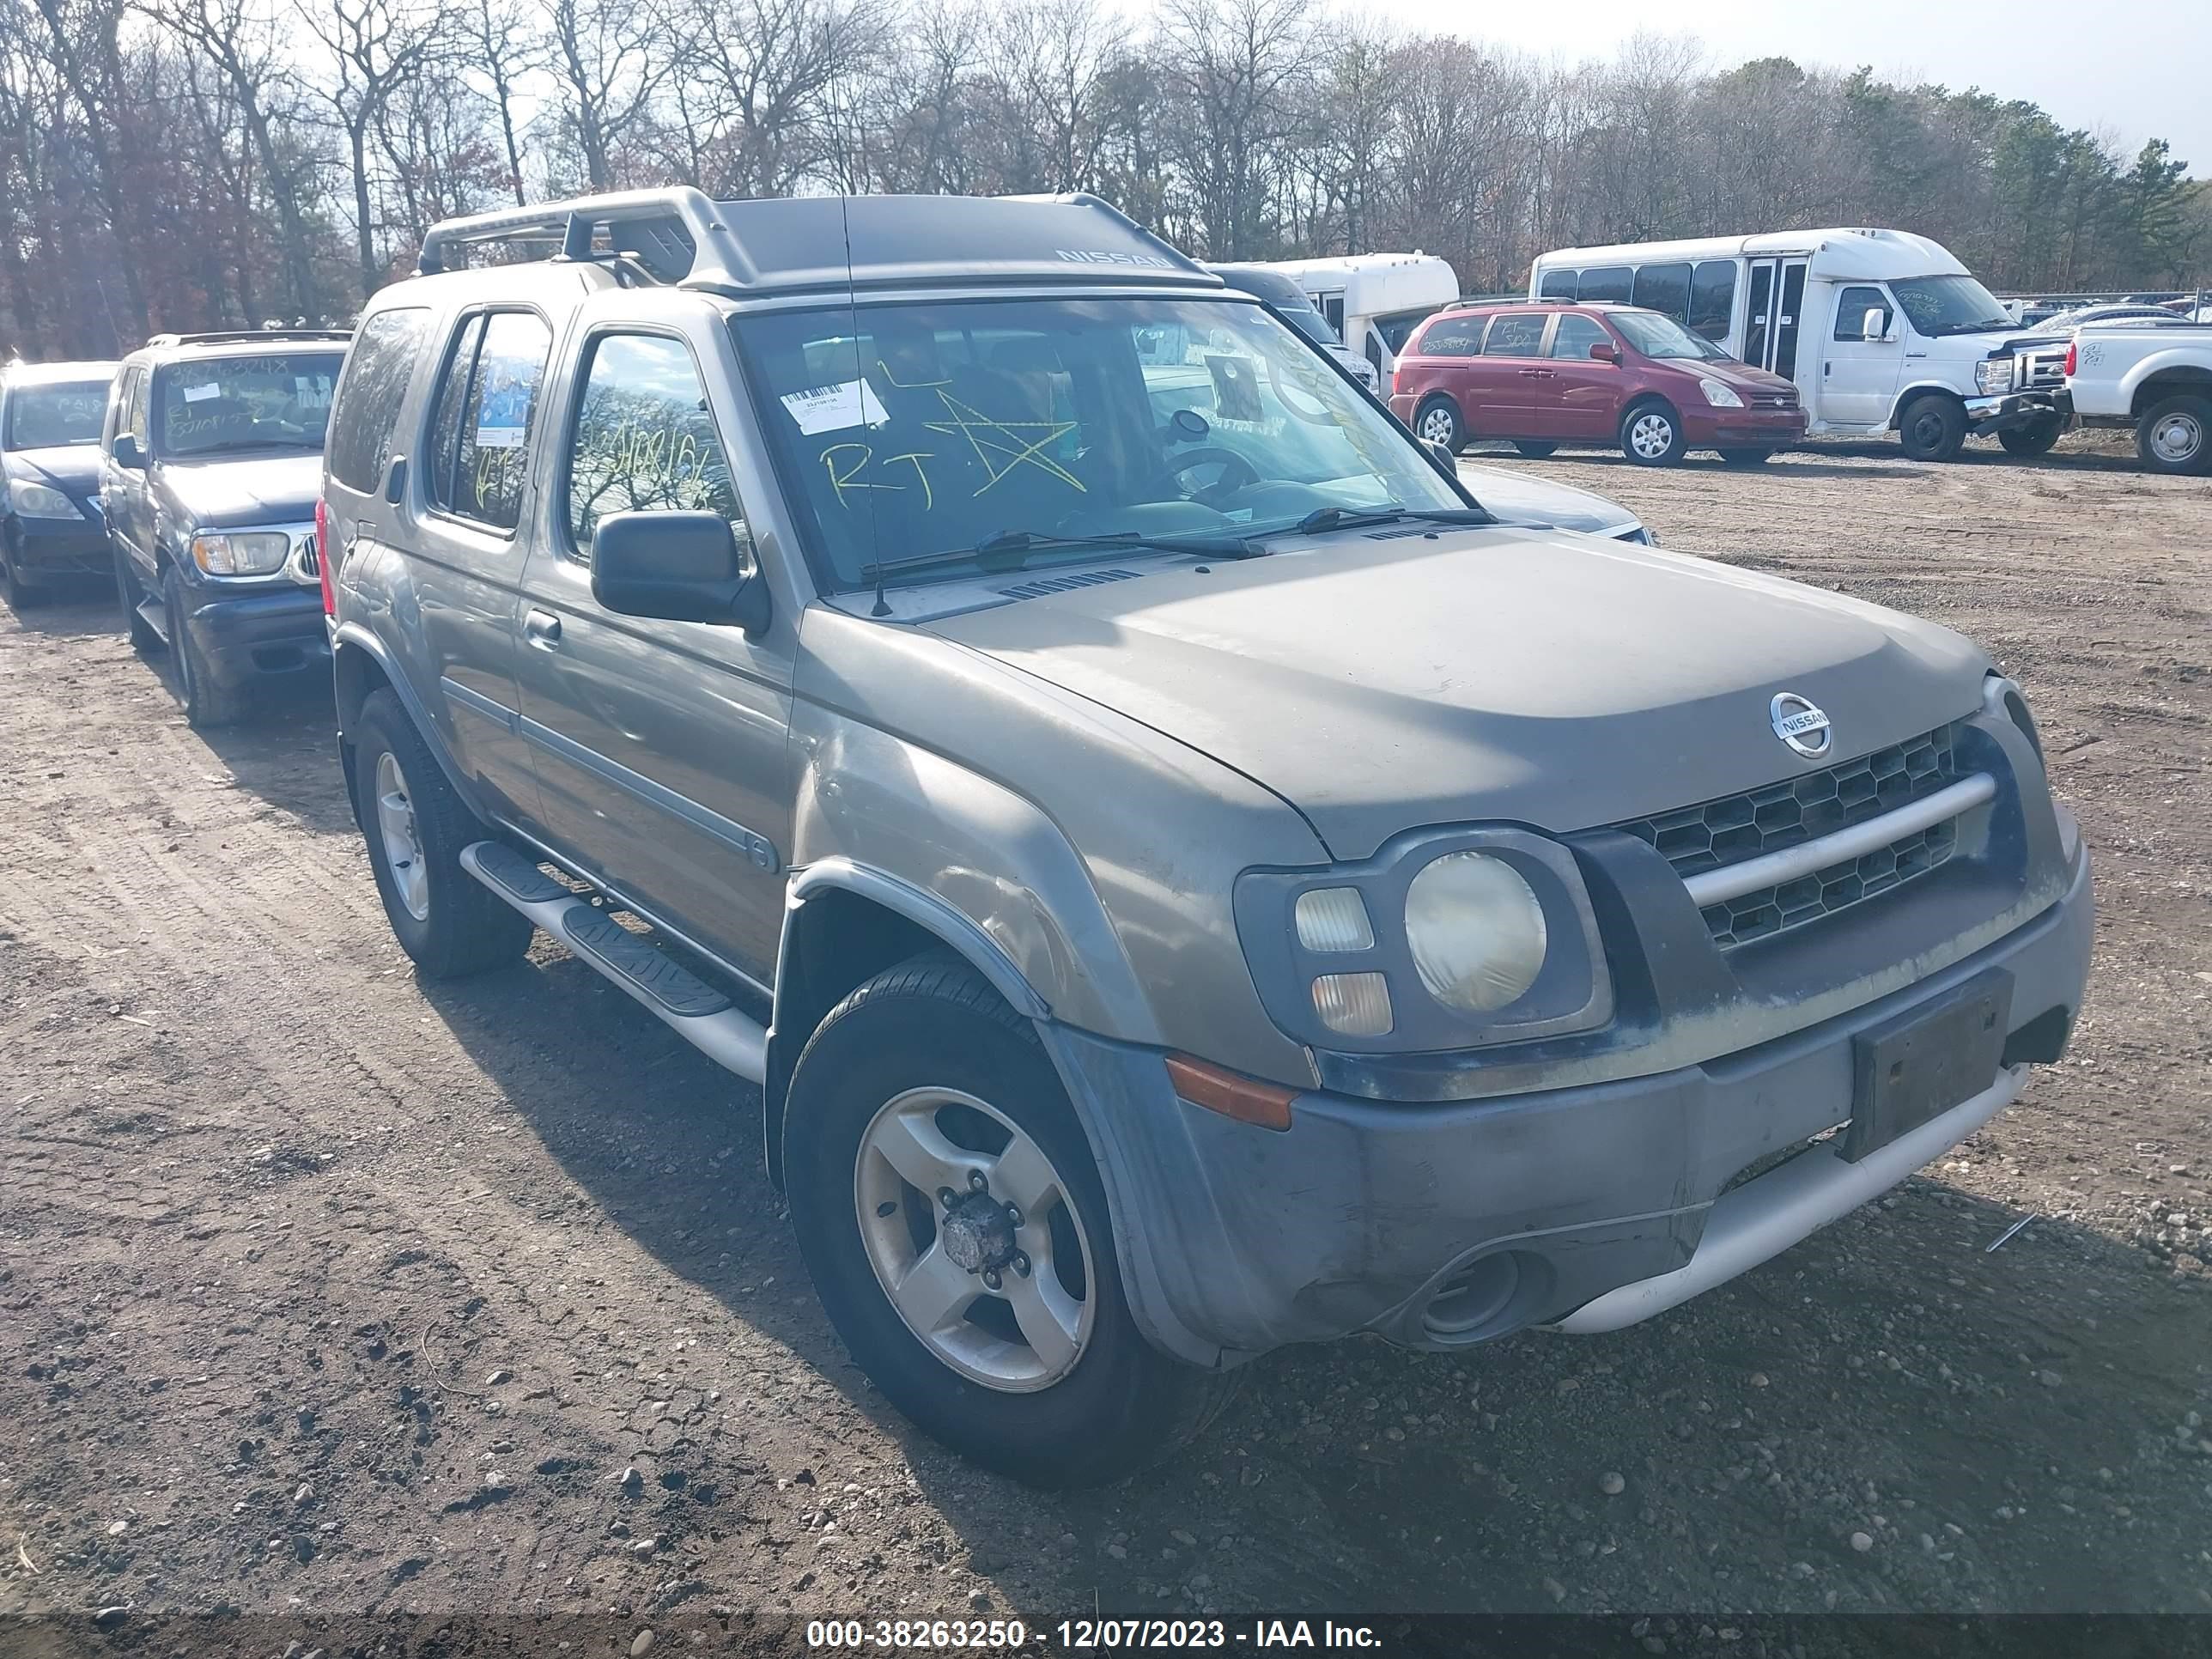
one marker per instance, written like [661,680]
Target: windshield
[924,429]
[210,405]
[1656,336]
[49,416]
[1949,305]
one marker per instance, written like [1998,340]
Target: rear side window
[1559,285]
[480,436]
[1453,336]
[644,440]
[378,370]
[1607,283]
[1515,334]
[1664,289]
[1712,298]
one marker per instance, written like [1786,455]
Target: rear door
[1506,392]
[659,746]
[1582,398]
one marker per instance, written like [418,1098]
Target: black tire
[2175,436]
[128,595]
[1643,425]
[1533,450]
[2029,441]
[206,704]
[933,1021]
[465,929]
[19,594]
[1746,457]
[1440,412]
[1932,428]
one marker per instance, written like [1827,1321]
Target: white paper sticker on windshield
[499,437]
[833,407]
[200,394]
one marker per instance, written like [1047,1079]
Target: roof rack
[675,232]
[233,336]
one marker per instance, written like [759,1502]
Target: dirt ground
[327,1292]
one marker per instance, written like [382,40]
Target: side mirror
[1605,352]
[680,567]
[1873,326]
[127,454]
[1442,453]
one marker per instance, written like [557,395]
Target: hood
[233,491]
[73,469]
[1740,377]
[1955,347]
[1519,499]
[1384,681]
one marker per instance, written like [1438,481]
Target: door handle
[542,628]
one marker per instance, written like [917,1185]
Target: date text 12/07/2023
[1086,1635]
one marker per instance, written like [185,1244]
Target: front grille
[1716,834]
[2040,371]
[1774,400]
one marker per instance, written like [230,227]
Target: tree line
[179,164]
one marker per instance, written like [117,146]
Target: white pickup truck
[2155,377]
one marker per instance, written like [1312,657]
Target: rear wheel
[1746,457]
[956,1229]
[1532,450]
[1932,428]
[2175,435]
[206,703]
[2032,439]
[416,826]
[1437,422]
[1651,433]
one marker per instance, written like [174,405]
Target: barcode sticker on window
[200,394]
[832,408]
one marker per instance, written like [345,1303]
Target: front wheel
[1932,429]
[416,826]
[956,1229]
[1651,434]
[1437,422]
[2032,439]
[207,702]
[19,594]
[2175,435]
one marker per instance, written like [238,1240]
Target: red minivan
[1543,375]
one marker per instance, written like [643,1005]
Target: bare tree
[1237,70]
[376,47]
[609,58]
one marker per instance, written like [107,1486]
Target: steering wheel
[1237,472]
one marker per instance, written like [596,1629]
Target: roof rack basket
[233,336]
[675,233]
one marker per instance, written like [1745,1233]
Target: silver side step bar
[702,1015]
[1764,1218]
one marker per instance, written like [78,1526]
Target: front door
[660,745]
[1859,376]
[123,490]
[1770,320]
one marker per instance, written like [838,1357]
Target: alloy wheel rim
[1436,426]
[2176,438]
[402,840]
[1651,434]
[981,1252]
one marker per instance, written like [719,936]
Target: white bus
[1883,331]
[1374,301]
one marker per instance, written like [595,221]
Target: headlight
[37,500]
[1993,375]
[247,553]
[1718,396]
[1476,930]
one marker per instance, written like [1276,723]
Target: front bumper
[1749,428]
[1591,1207]
[56,547]
[243,635]
[2011,412]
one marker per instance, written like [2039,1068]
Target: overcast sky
[2136,72]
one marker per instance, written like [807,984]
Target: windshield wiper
[233,444]
[1323,519]
[1010,550]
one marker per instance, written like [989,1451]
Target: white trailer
[1374,301]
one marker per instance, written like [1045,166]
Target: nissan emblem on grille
[1800,724]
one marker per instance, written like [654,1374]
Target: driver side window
[1851,307]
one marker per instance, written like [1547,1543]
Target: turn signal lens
[1358,1004]
[1333,919]
[1232,1095]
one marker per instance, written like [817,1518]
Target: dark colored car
[50,525]
[214,463]
[1542,375]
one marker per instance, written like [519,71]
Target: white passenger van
[1883,331]
[1375,300]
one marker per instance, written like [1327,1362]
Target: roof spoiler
[675,233]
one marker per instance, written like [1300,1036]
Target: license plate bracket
[1919,1065]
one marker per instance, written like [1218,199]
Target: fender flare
[354,636]
[2195,358]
